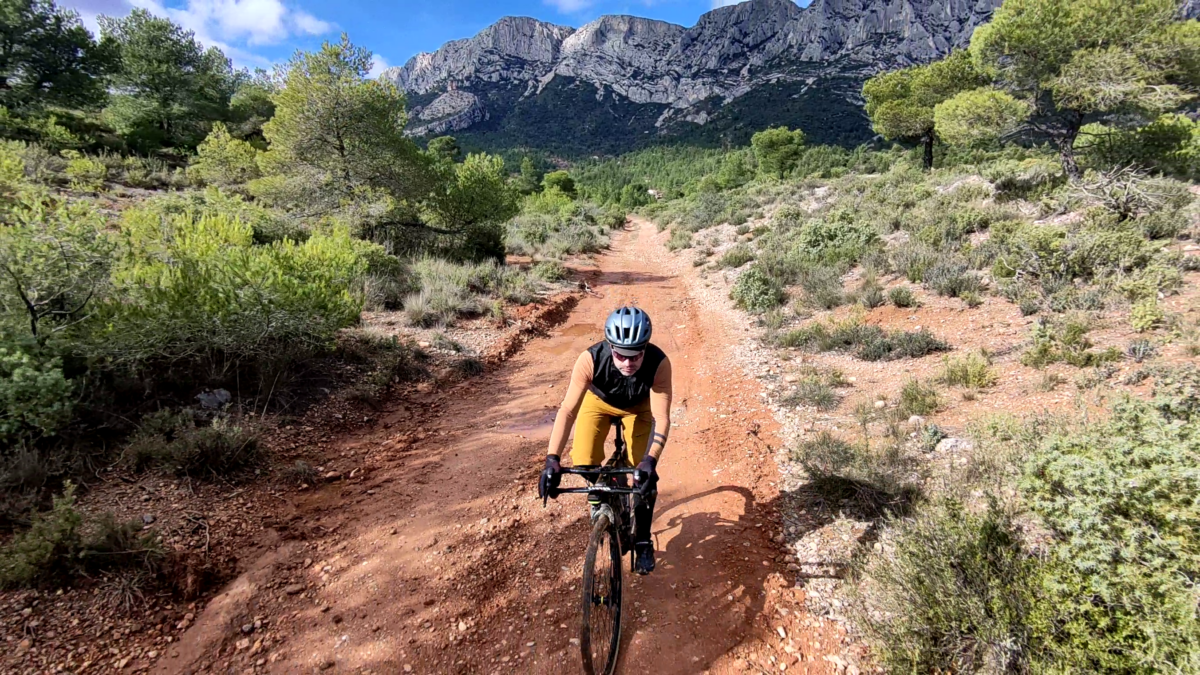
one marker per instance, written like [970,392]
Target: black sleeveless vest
[616,389]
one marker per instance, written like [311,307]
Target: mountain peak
[664,75]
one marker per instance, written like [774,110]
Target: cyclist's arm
[581,379]
[660,409]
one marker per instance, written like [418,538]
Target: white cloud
[569,6]
[307,23]
[378,65]
[220,23]
[255,22]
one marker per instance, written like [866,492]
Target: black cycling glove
[645,476]
[550,478]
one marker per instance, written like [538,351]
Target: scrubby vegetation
[152,332]
[957,586]
[1049,544]
[142,334]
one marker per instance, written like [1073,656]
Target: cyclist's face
[628,365]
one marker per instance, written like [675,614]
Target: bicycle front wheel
[601,630]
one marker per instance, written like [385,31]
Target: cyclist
[621,376]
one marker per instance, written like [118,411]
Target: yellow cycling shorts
[595,419]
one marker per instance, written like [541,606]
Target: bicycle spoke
[602,601]
[602,608]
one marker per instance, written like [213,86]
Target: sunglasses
[627,357]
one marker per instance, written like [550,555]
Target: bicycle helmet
[628,329]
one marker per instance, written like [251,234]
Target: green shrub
[1140,350]
[973,370]
[47,548]
[136,172]
[839,239]
[1065,341]
[549,270]
[1161,224]
[174,440]
[54,264]
[918,399]
[949,591]
[736,257]
[756,292]
[899,345]
[871,343]
[218,449]
[448,290]
[679,239]
[1025,179]
[874,482]
[931,435]
[870,294]
[62,544]
[193,284]
[1146,314]
[12,165]
[812,392]
[224,160]
[85,173]
[902,296]
[1170,144]
[438,303]
[952,279]
[1111,592]
[1127,191]
[1119,498]
[612,218]
[1147,283]
[551,224]
[36,399]
[913,259]
[822,287]
[451,290]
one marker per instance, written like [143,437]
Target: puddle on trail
[572,331]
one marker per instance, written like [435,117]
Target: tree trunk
[1066,146]
[927,140]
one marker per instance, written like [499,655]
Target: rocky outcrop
[626,54]
[454,110]
[517,49]
[728,53]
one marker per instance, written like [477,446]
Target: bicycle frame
[604,486]
[612,522]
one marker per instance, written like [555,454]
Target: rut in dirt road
[450,564]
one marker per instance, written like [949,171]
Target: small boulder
[953,445]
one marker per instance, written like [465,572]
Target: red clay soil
[443,560]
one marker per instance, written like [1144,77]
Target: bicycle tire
[601,610]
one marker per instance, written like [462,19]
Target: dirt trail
[443,560]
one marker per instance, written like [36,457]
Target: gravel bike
[612,502]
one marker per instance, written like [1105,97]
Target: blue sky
[261,32]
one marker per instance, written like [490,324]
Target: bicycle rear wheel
[601,629]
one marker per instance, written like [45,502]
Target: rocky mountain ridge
[637,68]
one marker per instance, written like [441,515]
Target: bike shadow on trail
[711,583]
